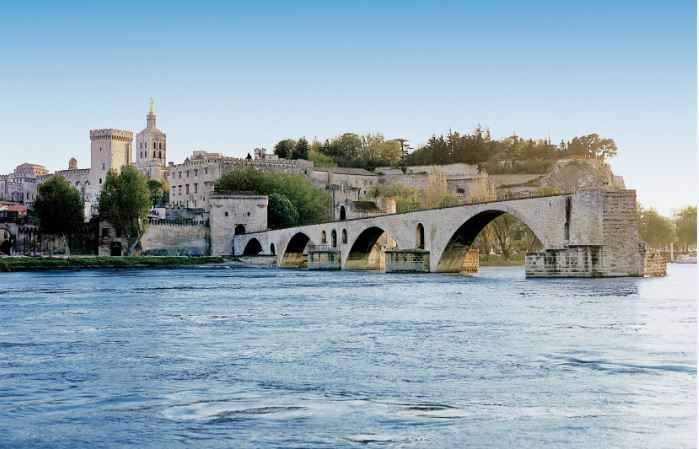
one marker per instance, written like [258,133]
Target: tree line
[512,154]
[659,231]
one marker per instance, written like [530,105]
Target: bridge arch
[453,255]
[365,251]
[252,248]
[293,255]
[7,240]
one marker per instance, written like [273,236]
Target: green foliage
[548,190]
[686,226]
[124,202]
[44,263]
[300,149]
[316,155]
[281,213]
[312,203]
[654,229]
[59,207]
[285,148]
[159,192]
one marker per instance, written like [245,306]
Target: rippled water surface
[214,357]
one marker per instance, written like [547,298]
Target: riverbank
[57,263]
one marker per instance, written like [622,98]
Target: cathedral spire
[150,118]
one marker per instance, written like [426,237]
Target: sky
[232,76]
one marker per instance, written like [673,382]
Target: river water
[216,357]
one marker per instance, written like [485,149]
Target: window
[196,172]
[196,187]
[154,148]
[180,173]
[100,180]
[160,154]
[188,173]
[103,166]
[225,213]
[153,154]
[186,188]
[206,170]
[160,146]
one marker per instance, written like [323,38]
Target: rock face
[572,175]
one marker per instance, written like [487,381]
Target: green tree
[281,212]
[159,192]
[301,149]
[317,154]
[654,229]
[124,202]
[312,203]
[59,208]
[285,148]
[686,225]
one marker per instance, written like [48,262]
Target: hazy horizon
[232,77]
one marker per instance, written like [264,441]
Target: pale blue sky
[233,76]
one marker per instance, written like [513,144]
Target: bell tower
[151,148]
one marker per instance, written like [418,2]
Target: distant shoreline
[14,264]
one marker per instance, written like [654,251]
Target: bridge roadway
[584,234]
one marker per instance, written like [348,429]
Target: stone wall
[654,264]
[472,262]
[170,239]
[621,253]
[234,213]
[407,261]
[323,258]
[574,261]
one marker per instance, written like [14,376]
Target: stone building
[22,184]
[151,149]
[192,182]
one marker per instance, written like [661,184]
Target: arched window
[160,154]
[333,238]
[420,236]
[154,147]
[239,230]
[160,146]
[323,238]
[153,152]
[343,213]
[344,236]
[272,249]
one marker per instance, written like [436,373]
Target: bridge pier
[407,261]
[323,257]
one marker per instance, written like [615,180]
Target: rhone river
[255,358]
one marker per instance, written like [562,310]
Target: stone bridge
[587,233]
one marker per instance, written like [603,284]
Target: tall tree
[281,213]
[285,148]
[124,202]
[686,225]
[300,149]
[592,146]
[654,229]
[59,208]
